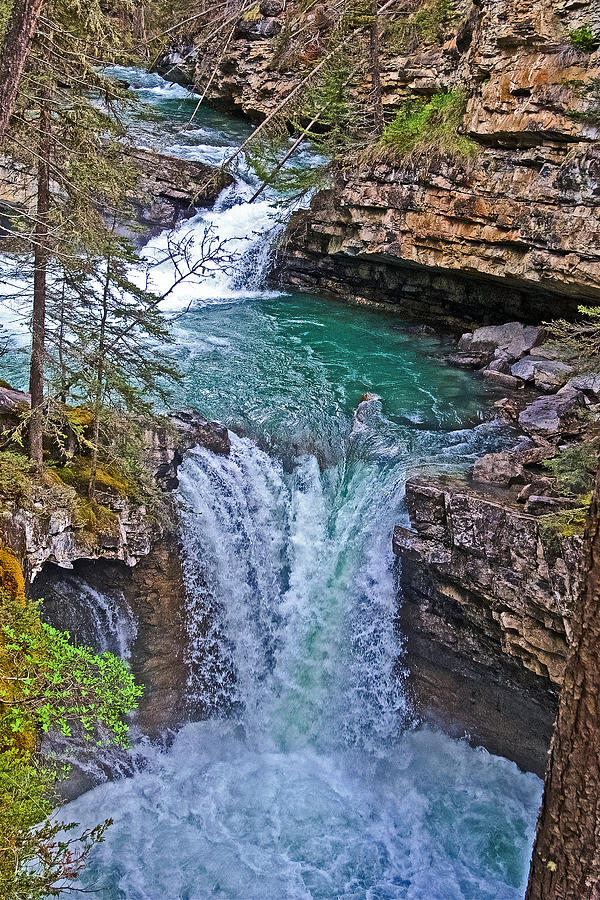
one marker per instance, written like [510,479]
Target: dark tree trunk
[566,857]
[99,392]
[13,55]
[376,71]
[36,371]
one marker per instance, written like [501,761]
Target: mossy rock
[11,575]
[77,473]
[95,518]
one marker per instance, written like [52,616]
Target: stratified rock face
[51,531]
[522,218]
[485,609]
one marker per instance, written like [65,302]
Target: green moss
[95,518]
[583,39]
[429,124]
[15,476]
[109,478]
[574,468]
[564,525]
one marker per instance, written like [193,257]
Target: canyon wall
[513,231]
[485,608]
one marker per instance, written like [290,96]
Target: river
[311,778]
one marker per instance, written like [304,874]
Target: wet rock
[553,416]
[542,505]
[485,613]
[467,360]
[541,485]
[500,378]
[546,374]
[165,445]
[196,430]
[169,189]
[499,468]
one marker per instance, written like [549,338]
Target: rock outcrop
[167,190]
[514,230]
[485,609]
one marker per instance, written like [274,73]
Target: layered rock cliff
[512,231]
[485,608]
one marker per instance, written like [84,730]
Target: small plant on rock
[583,39]
[428,125]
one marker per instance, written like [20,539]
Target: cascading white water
[305,780]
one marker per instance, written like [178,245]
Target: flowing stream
[309,779]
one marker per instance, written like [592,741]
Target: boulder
[512,339]
[503,468]
[543,505]
[546,374]
[540,486]
[467,360]
[500,378]
[553,416]
[589,384]
[500,363]
[11,400]
[551,375]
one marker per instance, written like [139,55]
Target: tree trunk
[376,71]
[99,387]
[19,34]
[36,372]
[566,857]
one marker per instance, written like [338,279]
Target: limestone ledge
[49,527]
[483,581]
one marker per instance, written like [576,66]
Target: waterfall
[291,596]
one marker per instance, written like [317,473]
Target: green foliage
[47,684]
[580,340]
[56,685]
[574,468]
[564,525]
[428,25]
[589,93]
[422,125]
[583,39]
[432,20]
